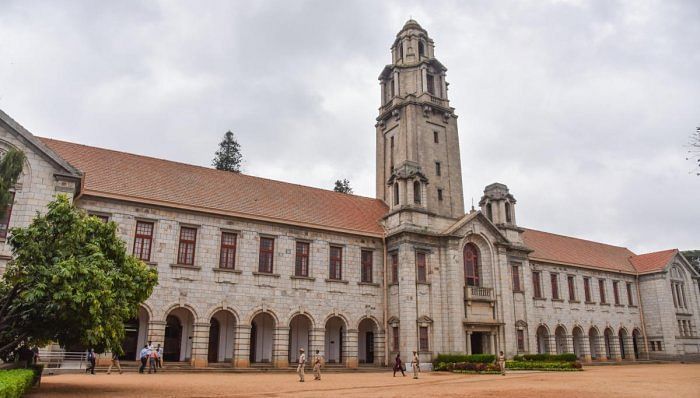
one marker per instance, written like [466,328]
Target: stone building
[253,269]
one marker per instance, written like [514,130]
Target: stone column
[443,84]
[585,349]
[318,341]
[156,333]
[200,345]
[469,343]
[569,344]
[552,339]
[492,342]
[424,79]
[615,349]
[629,349]
[241,343]
[350,348]
[602,355]
[379,343]
[280,347]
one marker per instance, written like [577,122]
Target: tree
[10,170]
[694,150]
[71,282]
[342,186]
[693,257]
[229,156]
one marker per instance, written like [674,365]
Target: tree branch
[15,342]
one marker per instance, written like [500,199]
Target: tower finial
[473,209]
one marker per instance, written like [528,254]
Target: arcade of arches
[593,345]
[266,341]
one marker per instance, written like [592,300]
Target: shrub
[459,358]
[14,383]
[546,357]
[540,365]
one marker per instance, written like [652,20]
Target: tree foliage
[10,170]
[71,281]
[693,257]
[342,186]
[229,156]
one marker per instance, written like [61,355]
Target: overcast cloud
[581,108]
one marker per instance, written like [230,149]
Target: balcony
[478,293]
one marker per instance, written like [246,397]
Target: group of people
[151,357]
[317,362]
[415,363]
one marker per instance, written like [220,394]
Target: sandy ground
[667,380]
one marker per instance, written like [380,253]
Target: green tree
[342,186]
[10,170]
[71,281]
[229,156]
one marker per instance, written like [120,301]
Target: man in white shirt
[302,363]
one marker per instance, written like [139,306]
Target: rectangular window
[537,284]
[266,255]
[587,289]
[516,278]
[5,220]
[571,281]
[395,337]
[336,263]
[431,84]
[601,289]
[395,268]
[555,286]
[101,217]
[227,258]
[521,340]
[423,345]
[439,194]
[421,267]
[630,300]
[438,170]
[366,271]
[301,265]
[616,292]
[436,137]
[185,251]
[143,240]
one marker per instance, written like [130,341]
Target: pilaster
[280,347]
[200,345]
[241,355]
[350,348]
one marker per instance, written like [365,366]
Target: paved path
[666,380]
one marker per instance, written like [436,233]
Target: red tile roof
[143,179]
[651,262]
[567,250]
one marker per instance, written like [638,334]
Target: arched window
[421,49]
[509,218]
[401,50]
[489,212]
[471,265]
[678,288]
[416,192]
[396,193]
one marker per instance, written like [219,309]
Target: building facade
[251,270]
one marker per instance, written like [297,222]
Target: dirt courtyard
[665,380]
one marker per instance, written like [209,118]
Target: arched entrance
[578,342]
[367,341]
[222,328]
[300,337]
[593,337]
[261,335]
[636,341]
[609,336]
[622,337]
[135,335]
[334,341]
[560,339]
[179,326]
[542,340]
[213,348]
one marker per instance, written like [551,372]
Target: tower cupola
[498,205]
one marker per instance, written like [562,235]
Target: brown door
[369,347]
[213,341]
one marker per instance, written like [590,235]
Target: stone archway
[608,337]
[593,339]
[368,342]
[222,331]
[300,328]
[262,332]
[636,342]
[579,342]
[622,343]
[542,337]
[135,335]
[560,340]
[336,332]
[179,328]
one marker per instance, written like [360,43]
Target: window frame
[301,258]
[436,137]
[143,237]
[396,194]
[423,339]
[394,268]
[264,253]
[438,169]
[335,263]
[440,195]
[588,296]
[366,266]
[571,284]
[475,257]
[395,336]
[601,291]
[421,267]
[520,340]
[616,292]
[515,277]
[417,192]
[186,248]
[630,297]
[537,285]
[554,280]
[227,251]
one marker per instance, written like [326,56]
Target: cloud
[582,108]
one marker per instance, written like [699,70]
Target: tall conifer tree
[229,156]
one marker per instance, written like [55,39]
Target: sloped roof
[125,176]
[568,250]
[655,261]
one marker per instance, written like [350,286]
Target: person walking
[318,361]
[415,362]
[502,363]
[91,360]
[152,361]
[143,356]
[302,363]
[159,350]
[115,362]
[398,365]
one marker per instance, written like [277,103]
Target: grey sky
[581,108]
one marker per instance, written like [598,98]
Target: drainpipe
[641,314]
[386,305]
